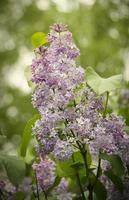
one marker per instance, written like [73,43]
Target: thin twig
[105,109]
[79,181]
[45,195]
[38,196]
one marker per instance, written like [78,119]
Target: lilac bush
[74,120]
[80,148]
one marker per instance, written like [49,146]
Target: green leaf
[27,73]
[88,158]
[64,168]
[78,156]
[52,198]
[67,168]
[115,162]
[30,155]
[115,179]
[38,39]
[70,104]
[15,168]
[73,185]
[101,85]
[27,134]
[77,165]
[20,196]
[100,191]
[92,178]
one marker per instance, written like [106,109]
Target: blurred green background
[100,29]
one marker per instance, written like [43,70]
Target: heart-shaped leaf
[101,85]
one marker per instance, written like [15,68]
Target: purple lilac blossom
[55,74]
[124,150]
[45,172]
[26,185]
[61,191]
[61,53]
[63,150]
[63,186]
[114,194]
[46,136]
[108,134]
[57,77]
[11,192]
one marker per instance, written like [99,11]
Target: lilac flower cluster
[114,194]
[109,134]
[70,111]
[87,122]
[61,191]
[9,191]
[46,136]
[45,173]
[56,76]
[62,150]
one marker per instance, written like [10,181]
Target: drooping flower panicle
[56,76]
[69,114]
[45,173]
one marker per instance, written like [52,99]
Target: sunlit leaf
[38,39]
[101,85]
